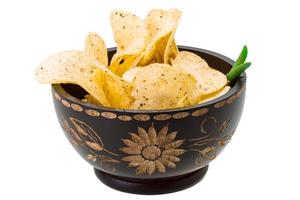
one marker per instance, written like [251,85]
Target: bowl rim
[240,82]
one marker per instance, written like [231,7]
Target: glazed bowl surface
[152,144]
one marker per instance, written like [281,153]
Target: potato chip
[161,86]
[189,58]
[161,26]
[184,101]
[208,79]
[118,91]
[218,94]
[95,47]
[131,36]
[130,74]
[171,52]
[74,67]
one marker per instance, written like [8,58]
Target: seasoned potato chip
[161,86]
[131,36]
[118,91]
[209,80]
[78,68]
[183,102]
[95,47]
[218,94]
[189,58]
[74,67]
[161,26]
[130,74]
[171,52]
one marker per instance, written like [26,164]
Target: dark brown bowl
[155,151]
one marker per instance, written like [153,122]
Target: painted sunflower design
[151,151]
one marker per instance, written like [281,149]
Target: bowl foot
[154,186]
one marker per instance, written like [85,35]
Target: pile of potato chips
[146,72]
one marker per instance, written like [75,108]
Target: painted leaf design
[161,135]
[142,169]
[173,152]
[65,124]
[136,163]
[132,144]
[209,152]
[137,139]
[94,146]
[130,150]
[170,137]
[174,145]
[224,141]
[91,157]
[167,163]
[152,135]
[133,158]
[75,135]
[87,134]
[106,159]
[151,167]
[159,166]
[171,158]
[143,135]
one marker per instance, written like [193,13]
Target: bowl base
[154,186]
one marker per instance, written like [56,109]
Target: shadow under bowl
[151,151]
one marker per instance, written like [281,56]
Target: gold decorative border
[162,117]
[142,117]
[76,107]
[200,112]
[181,115]
[65,103]
[109,115]
[146,117]
[125,118]
[93,113]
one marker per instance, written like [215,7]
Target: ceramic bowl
[155,151]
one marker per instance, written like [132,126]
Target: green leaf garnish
[236,72]
[242,57]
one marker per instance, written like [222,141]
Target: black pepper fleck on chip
[121,62]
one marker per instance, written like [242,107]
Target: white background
[262,160]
